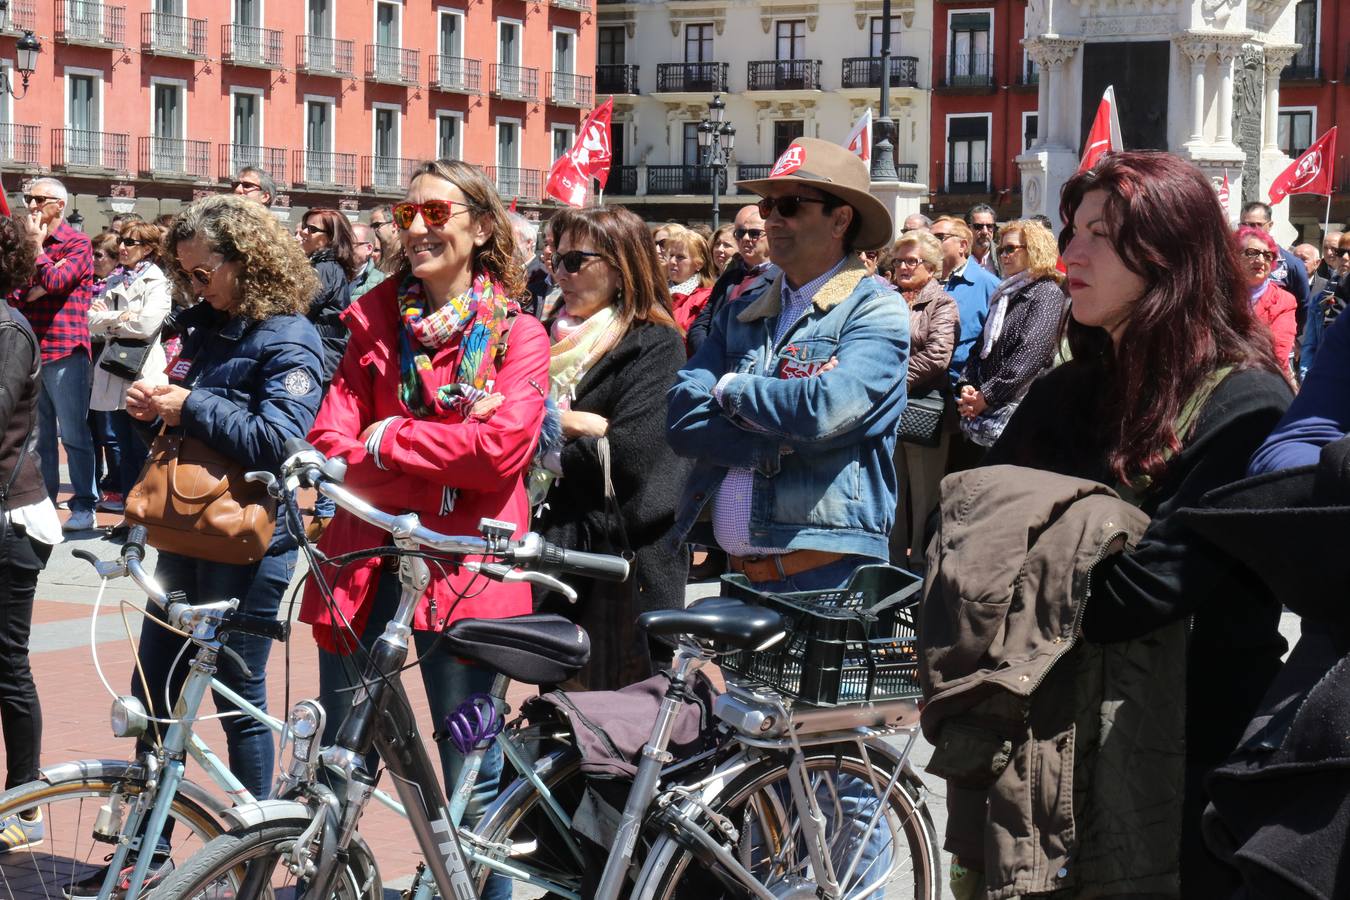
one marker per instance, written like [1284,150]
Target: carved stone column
[1197,55]
[1227,52]
[1276,59]
[1052,56]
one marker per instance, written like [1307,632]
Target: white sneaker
[80,520]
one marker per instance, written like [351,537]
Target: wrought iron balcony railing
[783,75]
[18,16]
[321,169]
[391,65]
[514,82]
[616,79]
[74,149]
[319,55]
[247,45]
[166,157]
[865,72]
[570,89]
[668,180]
[168,35]
[455,74]
[697,78]
[968,70]
[20,145]
[233,157]
[517,184]
[92,23]
[387,173]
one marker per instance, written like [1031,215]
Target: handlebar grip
[134,547]
[259,626]
[590,565]
[86,556]
[295,445]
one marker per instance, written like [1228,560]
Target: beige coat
[147,302]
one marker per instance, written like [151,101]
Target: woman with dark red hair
[1171,387]
[1275,307]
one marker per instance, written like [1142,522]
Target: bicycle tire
[223,861]
[675,871]
[69,851]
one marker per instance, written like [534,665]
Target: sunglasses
[943,235]
[37,199]
[753,234]
[378,225]
[573,260]
[787,206]
[245,187]
[202,275]
[132,242]
[310,229]
[434,212]
[1342,252]
[1009,249]
[1253,253]
[985,226]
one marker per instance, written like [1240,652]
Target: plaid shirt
[65,270]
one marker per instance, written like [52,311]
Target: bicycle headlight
[304,726]
[128,717]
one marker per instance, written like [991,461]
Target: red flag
[860,138]
[1105,134]
[1224,193]
[1311,173]
[570,178]
[4,201]
[566,183]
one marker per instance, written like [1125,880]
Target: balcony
[670,180]
[622,180]
[963,178]
[246,45]
[175,158]
[865,72]
[318,55]
[91,23]
[575,5]
[391,65]
[1028,76]
[18,16]
[570,89]
[1301,71]
[517,184]
[320,170]
[783,75]
[91,152]
[748,171]
[691,78]
[179,36]
[968,71]
[616,79]
[514,82]
[19,146]
[455,74]
[233,157]
[387,174]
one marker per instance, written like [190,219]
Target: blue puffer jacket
[821,444]
[254,383]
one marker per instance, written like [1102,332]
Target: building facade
[784,69]
[145,104]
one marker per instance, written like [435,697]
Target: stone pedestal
[1044,171]
[902,198]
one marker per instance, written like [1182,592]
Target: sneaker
[80,520]
[87,888]
[112,502]
[16,833]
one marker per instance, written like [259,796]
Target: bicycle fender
[118,769]
[259,812]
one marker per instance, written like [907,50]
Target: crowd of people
[781,397]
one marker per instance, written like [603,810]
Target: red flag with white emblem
[1311,173]
[1224,192]
[859,140]
[1105,134]
[569,179]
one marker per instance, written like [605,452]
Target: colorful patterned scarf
[480,316]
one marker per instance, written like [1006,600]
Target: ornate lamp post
[883,154]
[26,55]
[716,140]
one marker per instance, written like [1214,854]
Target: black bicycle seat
[537,649]
[721,619]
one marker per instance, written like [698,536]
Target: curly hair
[18,259]
[275,278]
[497,257]
[1042,248]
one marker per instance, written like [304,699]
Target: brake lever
[238,660]
[102,568]
[508,575]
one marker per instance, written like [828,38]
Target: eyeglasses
[38,199]
[787,206]
[202,275]
[572,260]
[132,242]
[1261,225]
[1253,253]
[245,187]
[378,225]
[1342,252]
[943,235]
[310,229]
[434,212]
[982,226]
[907,263]
[753,234]
[1009,249]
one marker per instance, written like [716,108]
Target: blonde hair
[692,241]
[959,228]
[1042,248]
[930,248]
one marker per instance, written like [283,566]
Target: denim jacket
[820,444]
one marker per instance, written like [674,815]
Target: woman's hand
[583,424]
[971,402]
[483,409]
[98,306]
[165,401]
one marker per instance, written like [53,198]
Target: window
[246,12]
[970,62]
[508,159]
[318,141]
[791,42]
[84,120]
[692,154]
[320,52]
[246,121]
[611,46]
[320,18]
[1304,63]
[967,152]
[451,33]
[447,135]
[1031,73]
[84,19]
[1295,130]
[617,130]
[784,133]
[508,43]
[563,138]
[385,148]
[698,43]
[246,37]
[564,58]
[166,144]
[387,40]
[1031,125]
[878,27]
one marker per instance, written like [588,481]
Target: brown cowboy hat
[834,170]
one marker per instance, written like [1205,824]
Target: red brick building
[337,99]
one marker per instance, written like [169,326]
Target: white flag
[860,138]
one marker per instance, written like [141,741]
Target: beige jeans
[918,471]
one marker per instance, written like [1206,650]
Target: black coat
[325,311]
[628,387]
[702,324]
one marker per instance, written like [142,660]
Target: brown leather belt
[783,565]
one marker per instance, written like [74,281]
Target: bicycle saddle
[721,619]
[535,649]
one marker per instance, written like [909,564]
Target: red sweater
[688,306]
[1277,308]
[484,461]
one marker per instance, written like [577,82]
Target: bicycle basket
[847,645]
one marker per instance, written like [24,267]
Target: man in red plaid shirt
[57,305]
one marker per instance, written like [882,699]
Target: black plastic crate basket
[848,645]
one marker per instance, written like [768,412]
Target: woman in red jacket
[1275,307]
[689,267]
[437,408]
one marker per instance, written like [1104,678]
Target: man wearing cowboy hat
[790,407]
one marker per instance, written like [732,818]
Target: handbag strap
[611,500]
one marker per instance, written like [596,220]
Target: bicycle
[131,802]
[525,832]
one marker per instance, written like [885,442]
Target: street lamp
[26,55]
[883,153]
[716,140]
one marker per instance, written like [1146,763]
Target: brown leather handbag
[194,501]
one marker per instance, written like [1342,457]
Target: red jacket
[688,306]
[485,461]
[1277,308]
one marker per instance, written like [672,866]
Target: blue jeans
[107,465]
[63,408]
[447,682]
[132,451]
[259,587]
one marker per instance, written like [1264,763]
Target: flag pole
[1326,223]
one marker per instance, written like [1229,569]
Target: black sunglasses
[573,260]
[753,234]
[787,206]
[1009,249]
[131,242]
[248,187]
[1342,251]
[311,229]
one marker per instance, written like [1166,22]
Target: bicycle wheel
[772,847]
[69,852]
[258,852]
[552,856]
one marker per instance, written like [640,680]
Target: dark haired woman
[1171,387]
[616,350]
[29,528]
[327,239]
[440,334]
